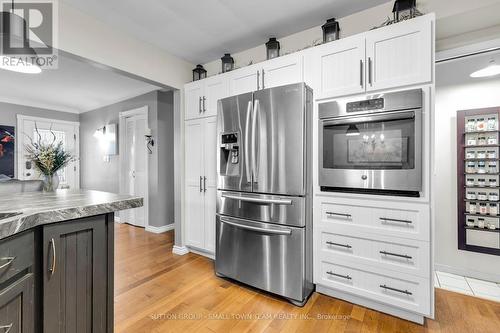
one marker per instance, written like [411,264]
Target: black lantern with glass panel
[404,9]
[199,73]
[331,30]
[272,48]
[227,63]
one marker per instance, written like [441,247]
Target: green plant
[47,158]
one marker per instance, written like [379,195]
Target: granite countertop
[40,208]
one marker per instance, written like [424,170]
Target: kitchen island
[56,260]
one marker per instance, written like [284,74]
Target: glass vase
[50,182]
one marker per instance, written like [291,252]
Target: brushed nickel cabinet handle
[204,184]
[386,219]
[347,246]
[8,261]
[263,86]
[396,290]
[370,71]
[52,269]
[347,277]
[258,78]
[395,254]
[204,104]
[200,110]
[201,184]
[6,328]
[361,73]
[339,214]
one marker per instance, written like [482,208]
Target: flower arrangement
[48,158]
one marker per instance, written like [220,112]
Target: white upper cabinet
[193,99]
[338,67]
[244,80]
[282,71]
[216,87]
[400,54]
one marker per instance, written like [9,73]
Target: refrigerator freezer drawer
[265,256]
[262,207]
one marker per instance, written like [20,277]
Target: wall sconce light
[149,139]
[106,136]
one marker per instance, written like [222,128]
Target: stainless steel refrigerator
[264,197]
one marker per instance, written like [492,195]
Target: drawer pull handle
[348,216]
[8,261]
[52,269]
[397,290]
[396,255]
[347,246]
[6,328]
[386,219]
[347,277]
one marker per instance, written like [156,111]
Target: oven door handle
[395,115]
[273,231]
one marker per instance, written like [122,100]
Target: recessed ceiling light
[491,70]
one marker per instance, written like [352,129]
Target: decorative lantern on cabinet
[227,63]
[331,30]
[199,73]
[272,48]
[404,9]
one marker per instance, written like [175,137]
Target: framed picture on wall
[7,146]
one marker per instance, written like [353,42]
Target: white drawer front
[408,292]
[413,224]
[399,255]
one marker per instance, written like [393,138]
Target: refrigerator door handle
[255,170]
[247,142]
[258,200]
[273,231]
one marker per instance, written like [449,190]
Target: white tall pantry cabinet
[370,250]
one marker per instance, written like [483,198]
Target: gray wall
[9,112]
[97,174]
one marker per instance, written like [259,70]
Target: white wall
[87,37]
[449,99]
[459,22]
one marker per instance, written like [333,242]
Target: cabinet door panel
[282,71]
[75,276]
[245,80]
[210,155]
[216,87]
[194,182]
[339,68]
[16,306]
[400,54]
[193,100]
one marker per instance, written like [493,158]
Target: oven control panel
[366,105]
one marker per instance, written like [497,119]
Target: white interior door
[135,162]
[48,130]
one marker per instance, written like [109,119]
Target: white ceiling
[458,71]
[203,30]
[76,86]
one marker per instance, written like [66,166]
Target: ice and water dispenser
[230,155]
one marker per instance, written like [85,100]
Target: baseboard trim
[411,316]
[180,250]
[467,273]
[160,230]
[202,252]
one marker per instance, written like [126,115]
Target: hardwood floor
[157,291]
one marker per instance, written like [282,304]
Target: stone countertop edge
[31,219]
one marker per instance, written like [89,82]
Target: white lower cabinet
[379,251]
[201,187]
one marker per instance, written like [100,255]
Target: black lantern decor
[331,30]
[199,73]
[404,9]
[273,48]
[227,63]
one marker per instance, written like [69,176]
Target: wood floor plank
[158,291]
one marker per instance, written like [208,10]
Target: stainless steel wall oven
[372,145]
